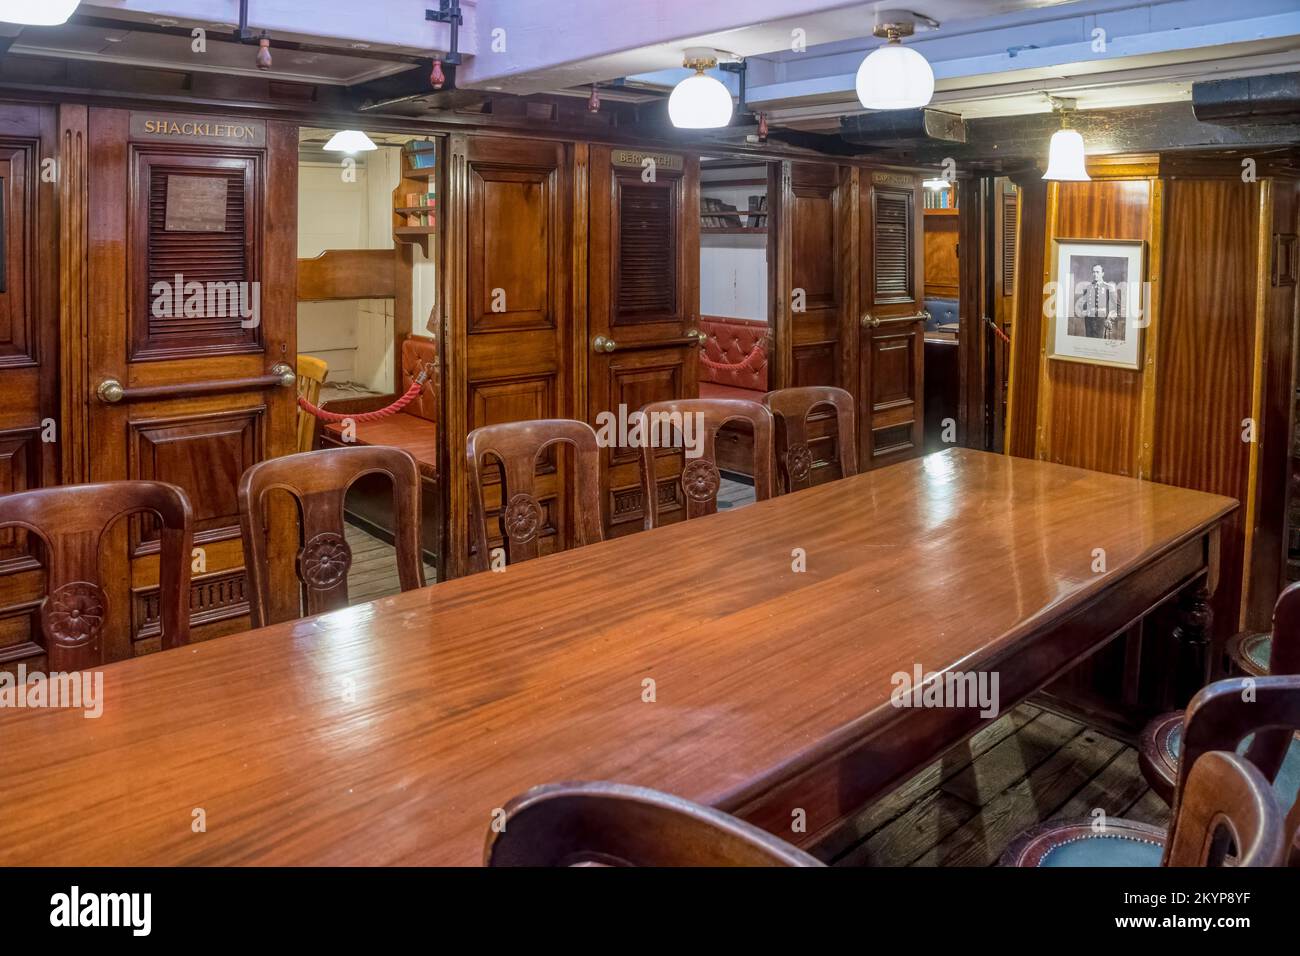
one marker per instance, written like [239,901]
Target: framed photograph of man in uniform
[1098,315]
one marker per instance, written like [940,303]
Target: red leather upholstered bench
[729,342]
[414,429]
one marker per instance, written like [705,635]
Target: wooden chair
[1162,738]
[1252,651]
[1227,805]
[318,482]
[516,446]
[700,479]
[70,520]
[791,407]
[609,824]
[311,376]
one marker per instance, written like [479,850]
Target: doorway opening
[737,260]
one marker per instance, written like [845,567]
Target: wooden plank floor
[1028,766]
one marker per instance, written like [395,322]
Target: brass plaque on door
[196,204]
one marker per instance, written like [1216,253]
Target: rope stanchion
[410,395]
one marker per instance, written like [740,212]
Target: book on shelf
[757,206]
[421,153]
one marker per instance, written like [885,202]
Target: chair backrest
[568,824]
[318,482]
[1226,805]
[1224,713]
[420,354]
[695,422]
[71,520]
[311,376]
[1284,652]
[516,446]
[791,408]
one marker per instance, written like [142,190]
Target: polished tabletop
[390,732]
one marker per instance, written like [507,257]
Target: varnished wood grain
[1206,360]
[390,732]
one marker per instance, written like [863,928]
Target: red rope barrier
[731,366]
[393,409]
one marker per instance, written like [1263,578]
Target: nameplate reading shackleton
[636,158]
[213,130]
[196,204]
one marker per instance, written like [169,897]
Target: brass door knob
[288,377]
[870,321]
[698,335]
[603,343]
[110,391]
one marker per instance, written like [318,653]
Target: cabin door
[191,239]
[816,343]
[891,420]
[33,439]
[511,351]
[644,304]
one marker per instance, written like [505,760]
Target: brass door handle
[698,335]
[110,391]
[603,343]
[870,321]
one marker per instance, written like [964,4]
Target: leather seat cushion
[1101,849]
[416,435]
[1287,784]
[942,312]
[1125,843]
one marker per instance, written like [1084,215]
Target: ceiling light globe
[895,77]
[1065,158]
[700,102]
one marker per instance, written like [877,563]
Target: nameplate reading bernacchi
[636,158]
[197,129]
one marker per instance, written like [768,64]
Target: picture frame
[1099,308]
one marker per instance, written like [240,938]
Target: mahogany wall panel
[1093,416]
[1022,425]
[1205,365]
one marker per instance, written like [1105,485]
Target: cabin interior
[814,434]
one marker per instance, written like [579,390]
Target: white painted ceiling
[991,57]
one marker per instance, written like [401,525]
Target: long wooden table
[390,732]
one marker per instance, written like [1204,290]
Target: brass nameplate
[222,131]
[893,179]
[196,204]
[635,158]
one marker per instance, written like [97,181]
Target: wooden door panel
[206,453]
[510,324]
[891,326]
[643,295]
[173,275]
[31,435]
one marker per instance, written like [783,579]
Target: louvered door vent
[198,256]
[893,245]
[1008,244]
[647,253]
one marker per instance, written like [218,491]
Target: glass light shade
[700,102]
[350,141]
[895,77]
[37,13]
[1065,158]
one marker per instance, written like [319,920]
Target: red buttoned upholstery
[729,341]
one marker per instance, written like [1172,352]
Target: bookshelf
[415,201]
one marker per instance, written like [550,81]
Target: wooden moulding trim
[1263,256]
[347,274]
[1146,436]
[1043,416]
